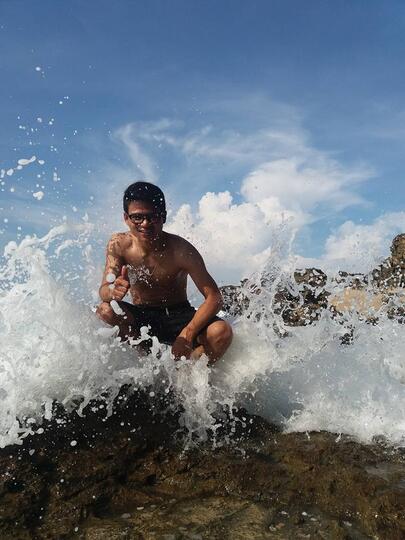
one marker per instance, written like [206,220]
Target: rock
[103,529]
[305,306]
[302,303]
[129,476]
[265,484]
[299,307]
[235,300]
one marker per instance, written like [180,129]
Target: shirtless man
[153,266]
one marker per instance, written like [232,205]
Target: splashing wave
[53,348]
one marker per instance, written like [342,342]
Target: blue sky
[295,108]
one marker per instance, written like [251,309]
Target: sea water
[53,348]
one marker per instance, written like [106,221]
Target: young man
[153,265]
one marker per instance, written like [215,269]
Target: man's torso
[156,278]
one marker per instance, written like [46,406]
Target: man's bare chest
[157,270]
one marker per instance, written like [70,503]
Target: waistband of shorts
[164,308]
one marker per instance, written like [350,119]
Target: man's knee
[105,312]
[220,333]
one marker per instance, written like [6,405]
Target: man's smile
[147,232]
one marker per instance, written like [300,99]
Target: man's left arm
[194,265]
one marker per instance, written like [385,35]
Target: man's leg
[125,322]
[214,341]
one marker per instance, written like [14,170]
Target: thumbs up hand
[121,285]
[124,273]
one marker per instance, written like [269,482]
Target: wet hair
[146,192]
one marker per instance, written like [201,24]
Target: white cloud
[283,166]
[141,159]
[281,178]
[302,184]
[276,172]
[359,247]
[244,146]
[275,213]
[233,238]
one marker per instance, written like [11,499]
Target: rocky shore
[134,474]
[129,476]
[380,291]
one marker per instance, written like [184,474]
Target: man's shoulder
[119,241]
[177,242]
[182,249]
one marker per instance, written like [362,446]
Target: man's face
[144,220]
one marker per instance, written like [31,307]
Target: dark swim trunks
[165,323]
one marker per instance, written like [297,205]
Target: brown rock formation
[391,273]
[128,476]
[383,287]
[305,306]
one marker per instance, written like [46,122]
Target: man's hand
[182,347]
[121,285]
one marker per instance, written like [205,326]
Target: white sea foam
[53,347]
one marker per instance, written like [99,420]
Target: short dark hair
[145,191]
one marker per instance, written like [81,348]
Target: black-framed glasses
[152,217]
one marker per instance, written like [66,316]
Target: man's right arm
[112,271]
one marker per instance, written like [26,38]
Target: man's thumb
[124,273]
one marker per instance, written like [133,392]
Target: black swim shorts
[165,323]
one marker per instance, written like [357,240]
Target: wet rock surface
[129,476]
[306,297]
